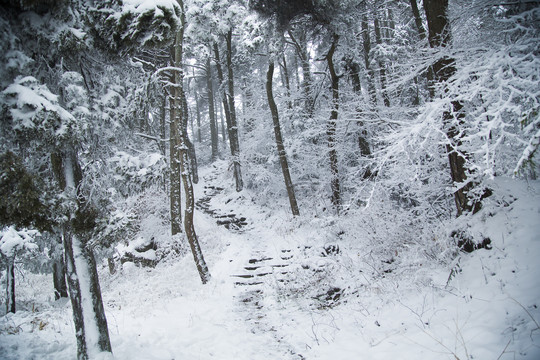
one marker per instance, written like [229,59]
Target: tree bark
[162,126]
[85,294]
[335,185]
[422,34]
[224,136]
[183,150]
[174,175]
[279,141]
[367,61]
[59,279]
[10,285]
[194,168]
[307,84]
[211,110]
[353,72]
[198,109]
[418,20]
[231,126]
[439,36]
[233,131]
[382,69]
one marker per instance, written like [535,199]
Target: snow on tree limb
[13,241]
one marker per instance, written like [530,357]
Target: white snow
[145,6]
[411,307]
[12,241]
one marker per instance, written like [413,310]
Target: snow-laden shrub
[36,112]
[131,24]
[135,173]
[139,231]
[13,242]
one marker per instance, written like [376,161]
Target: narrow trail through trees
[255,278]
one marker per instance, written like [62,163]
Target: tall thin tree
[279,140]
[183,151]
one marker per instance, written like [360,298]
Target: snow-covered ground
[325,290]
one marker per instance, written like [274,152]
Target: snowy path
[170,315]
[253,268]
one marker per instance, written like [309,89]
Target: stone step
[254,261]
[248,276]
[253,268]
[240,283]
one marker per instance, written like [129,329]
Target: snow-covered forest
[279,179]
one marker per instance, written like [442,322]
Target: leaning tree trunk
[439,36]
[10,285]
[85,293]
[279,140]
[183,152]
[331,128]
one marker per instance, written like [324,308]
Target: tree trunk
[194,168]
[163,126]
[439,36]
[418,20]
[367,61]
[233,131]
[279,140]
[59,279]
[382,69]
[231,126]
[75,296]
[183,150]
[422,35]
[287,82]
[174,175]
[198,109]
[223,131]
[10,285]
[331,128]
[85,294]
[353,72]
[211,110]
[307,84]
[249,105]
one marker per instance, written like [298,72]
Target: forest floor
[312,287]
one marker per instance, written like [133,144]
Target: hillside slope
[311,288]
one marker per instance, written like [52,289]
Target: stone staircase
[262,267]
[230,221]
[259,274]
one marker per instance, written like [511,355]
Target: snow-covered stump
[85,294]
